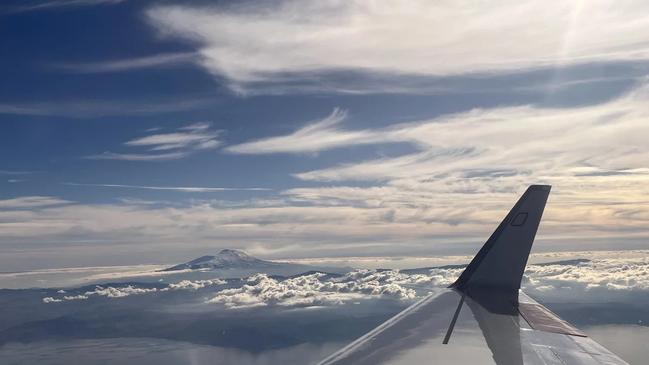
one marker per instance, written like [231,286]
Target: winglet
[501,261]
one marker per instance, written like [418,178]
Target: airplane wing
[483,318]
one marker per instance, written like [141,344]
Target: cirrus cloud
[168,146]
[291,42]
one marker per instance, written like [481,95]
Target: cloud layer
[129,290]
[594,156]
[289,40]
[590,281]
[466,170]
[108,292]
[315,289]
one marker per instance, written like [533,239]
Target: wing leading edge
[482,318]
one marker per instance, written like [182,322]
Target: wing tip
[535,197]
[540,187]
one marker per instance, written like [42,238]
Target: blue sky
[143,132]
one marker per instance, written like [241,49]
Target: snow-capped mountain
[236,263]
[226,259]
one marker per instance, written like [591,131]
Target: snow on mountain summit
[225,259]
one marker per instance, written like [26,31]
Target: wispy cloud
[101,108]
[168,146]
[594,156]
[316,136]
[28,6]
[514,139]
[290,42]
[197,136]
[186,189]
[138,156]
[154,61]
[26,202]
[440,198]
[15,172]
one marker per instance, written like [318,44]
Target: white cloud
[317,289]
[595,281]
[26,202]
[435,200]
[27,6]
[109,292]
[434,219]
[316,136]
[197,127]
[514,140]
[199,138]
[138,156]
[510,140]
[75,297]
[119,292]
[158,60]
[195,285]
[296,40]
[594,156]
[101,108]
[168,146]
[128,290]
[186,189]
[51,300]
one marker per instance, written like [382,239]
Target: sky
[136,132]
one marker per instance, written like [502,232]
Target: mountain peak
[225,259]
[234,253]
[236,263]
